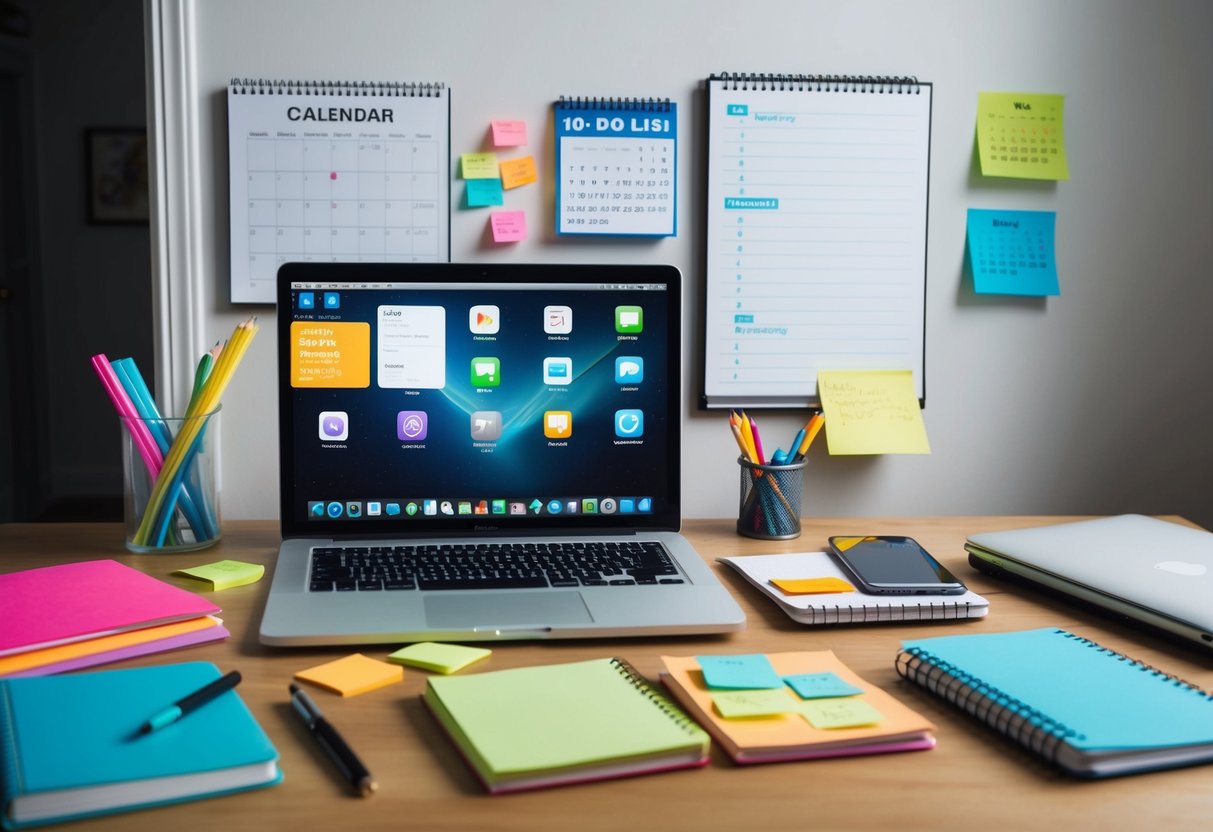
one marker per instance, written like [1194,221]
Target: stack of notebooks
[840,602]
[60,618]
[792,706]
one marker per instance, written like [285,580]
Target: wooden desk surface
[973,778]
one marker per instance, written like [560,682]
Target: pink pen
[142,437]
[762,459]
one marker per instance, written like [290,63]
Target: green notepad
[542,726]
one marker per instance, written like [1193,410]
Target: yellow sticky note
[872,412]
[839,713]
[225,574]
[443,658]
[479,165]
[741,704]
[516,172]
[352,675]
[1022,135]
[811,586]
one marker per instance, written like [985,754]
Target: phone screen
[891,560]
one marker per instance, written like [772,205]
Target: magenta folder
[61,604]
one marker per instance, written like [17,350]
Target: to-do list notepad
[335,172]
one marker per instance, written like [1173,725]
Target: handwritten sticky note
[479,165]
[742,704]
[811,586]
[751,671]
[508,226]
[820,685]
[509,132]
[1022,135]
[839,713]
[352,675]
[518,172]
[482,192]
[443,658]
[225,574]
[1011,252]
[872,412]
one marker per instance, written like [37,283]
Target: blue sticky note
[1012,252]
[820,686]
[484,192]
[744,672]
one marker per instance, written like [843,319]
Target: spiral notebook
[853,607]
[335,171]
[616,166]
[1090,710]
[532,727]
[816,233]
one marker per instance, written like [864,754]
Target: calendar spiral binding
[1011,717]
[656,697]
[394,89]
[875,84]
[649,105]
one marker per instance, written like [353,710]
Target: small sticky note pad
[751,671]
[811,586]
[482,192]
[753,703]
[225,574]
[820,686]
[839,713]
[518,172]
[509,132]
[508,226]
[442,658]
[479,165]
[352,675]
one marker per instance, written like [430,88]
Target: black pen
[190,703]
[351,767]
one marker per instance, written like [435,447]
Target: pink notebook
[61,604]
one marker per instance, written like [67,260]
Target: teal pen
[191,703]
[795,444]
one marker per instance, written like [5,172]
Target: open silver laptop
[474,452]
[1151,571]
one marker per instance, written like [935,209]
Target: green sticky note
[820,685]
[839,713]
[442,658]
[1022,135]
[751,671]
[225,574]
[736,704]
[479,166]
[484,192]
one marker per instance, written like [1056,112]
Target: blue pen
[795,443]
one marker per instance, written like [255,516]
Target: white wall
[1096,401]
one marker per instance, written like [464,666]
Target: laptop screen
[420,399]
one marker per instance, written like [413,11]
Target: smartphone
[894,565]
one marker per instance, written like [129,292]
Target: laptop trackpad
[502,609]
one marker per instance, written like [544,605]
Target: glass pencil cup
[769,500]
[170,489]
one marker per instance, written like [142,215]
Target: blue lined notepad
[1091,710]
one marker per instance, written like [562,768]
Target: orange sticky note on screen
[811,586]
[518,172]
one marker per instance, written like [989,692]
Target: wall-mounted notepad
[616,166]
[1011,252]
[1022,135]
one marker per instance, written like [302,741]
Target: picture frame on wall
[117,175]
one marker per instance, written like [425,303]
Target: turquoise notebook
[70,747]
[1090,710]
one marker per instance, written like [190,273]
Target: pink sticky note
[509,133]
[508,226]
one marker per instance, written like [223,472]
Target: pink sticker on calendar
[508,226]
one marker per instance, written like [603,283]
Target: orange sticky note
[518,172]
[352,675]
[811,586]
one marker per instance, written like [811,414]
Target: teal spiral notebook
[1090,710]
[70,747]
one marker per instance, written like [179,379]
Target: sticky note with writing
[479,165]
[872,412]
[508,226]
[751,671]
[1022,135]
[839,713]
[509,132]
[739,704]
[811,586]
[518,172]
[820,685]
[482,192]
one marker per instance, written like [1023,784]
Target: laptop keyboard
[490,566]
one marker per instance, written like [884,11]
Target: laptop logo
[334,425]
[1182,567]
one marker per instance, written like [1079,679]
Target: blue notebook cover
[63,734]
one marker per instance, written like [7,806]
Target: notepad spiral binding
[656,697]
[879,84]
[868,613]
[396,89]
[651,105]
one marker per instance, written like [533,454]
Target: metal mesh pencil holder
[769,500]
